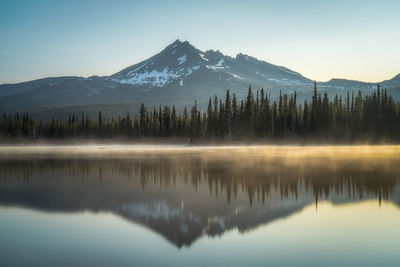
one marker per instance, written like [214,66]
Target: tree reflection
[184,195]
[225,176]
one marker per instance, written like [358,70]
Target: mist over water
[192,204]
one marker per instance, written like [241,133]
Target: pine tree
[142,120]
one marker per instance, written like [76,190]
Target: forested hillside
[356,118]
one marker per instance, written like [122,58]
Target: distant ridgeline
[357,118]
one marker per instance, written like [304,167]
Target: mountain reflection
[185,194]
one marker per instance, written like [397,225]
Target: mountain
[177,75]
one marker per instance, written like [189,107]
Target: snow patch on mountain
[236,76]
[156,78]
[220,62]
[218,66]
[203,58]
[136,69]
[181,59]
[191,69]
[153,78]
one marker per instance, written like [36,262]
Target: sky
[351,39]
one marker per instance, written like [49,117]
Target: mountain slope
[177,75]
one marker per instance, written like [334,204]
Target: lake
[200,206]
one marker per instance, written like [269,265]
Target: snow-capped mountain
[180,60]
[175,63]
[178,75]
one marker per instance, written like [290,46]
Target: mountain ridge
[179,74]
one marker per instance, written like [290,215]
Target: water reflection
[186,193]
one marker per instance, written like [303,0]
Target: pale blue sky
[320,39]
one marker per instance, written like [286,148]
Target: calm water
[186,206]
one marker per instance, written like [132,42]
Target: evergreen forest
[373,118]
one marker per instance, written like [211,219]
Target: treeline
[373,118]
